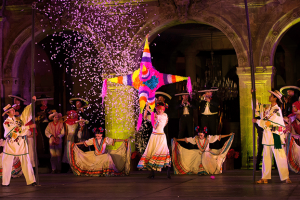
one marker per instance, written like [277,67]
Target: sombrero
[83,101]
[163,93]
[18,96]
[44,97]
[284,89]
[54,114]
[277,94]
[209,89]
[183,93]
[7,108]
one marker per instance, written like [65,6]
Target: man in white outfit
[16,144]
[273,137]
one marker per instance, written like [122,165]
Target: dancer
[101,162]
[293,138]
[201,161]
[273,137]
[54,132]
[16,145]
[157,155]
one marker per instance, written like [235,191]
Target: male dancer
[273,137]
[16,144]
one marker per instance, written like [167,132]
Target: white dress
[100,162]
[156,155]
[202,160]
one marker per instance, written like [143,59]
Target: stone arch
[16,49]
[156,26]
[267,53]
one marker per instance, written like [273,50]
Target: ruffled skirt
[156,155]
[293,154]
[194,161]
[112,163]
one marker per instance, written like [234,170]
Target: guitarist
[42,112]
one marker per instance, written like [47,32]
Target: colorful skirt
[194,161]
[293,154]
[16,169]
[111,163]
[156,155]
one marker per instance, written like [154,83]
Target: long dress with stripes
[156,155]
[202,160]
[101,162]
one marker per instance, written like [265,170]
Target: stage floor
[232,184]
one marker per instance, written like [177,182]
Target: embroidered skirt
[156,155]
[194,161]
[112,163]
[16,169]
[293,154]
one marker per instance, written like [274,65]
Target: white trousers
[55,152]
[281,162]
[7,163]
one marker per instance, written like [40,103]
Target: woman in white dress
[157,155]
[101,162]
[201,161]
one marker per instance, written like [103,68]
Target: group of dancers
[89,156]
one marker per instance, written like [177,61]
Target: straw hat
[277,94]
[185,92]
[59,115]
[7,108]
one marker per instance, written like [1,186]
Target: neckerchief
[43,107]
[71,121]
[198,142]
[99,147]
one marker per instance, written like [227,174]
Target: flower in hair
[197,128]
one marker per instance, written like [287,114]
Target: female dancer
[202,161]
[101,162]
[157,155]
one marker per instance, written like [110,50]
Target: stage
[232,184]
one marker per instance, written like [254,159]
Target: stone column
[263,82]
[290,61]
[190,64]
[120,113]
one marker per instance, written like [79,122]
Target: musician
[18,102]
[186,117]
[80,105]
[291,93]
[42,112]
[209,110]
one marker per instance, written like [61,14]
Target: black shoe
[33,184]
[5,185]
[151,176]
[168,174]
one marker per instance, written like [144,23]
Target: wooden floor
[232,184]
